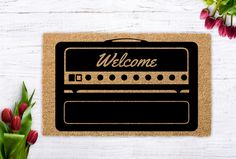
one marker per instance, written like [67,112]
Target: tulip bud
[16,124]
[6,115]
[204,13]
[222,30]
[32,137]
[219,21]
[230,31]
[234,31]
[210,22]
[22,108]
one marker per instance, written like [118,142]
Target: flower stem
[214,12]
[27,149]
[232,18]
[225,17]
[216,7]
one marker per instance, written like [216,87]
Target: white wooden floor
[22,23]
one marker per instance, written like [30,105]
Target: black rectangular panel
[177,60]
[81,59]
[126,112]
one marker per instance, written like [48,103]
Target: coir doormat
[126,84]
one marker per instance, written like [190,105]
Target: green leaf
[24,94]
[22,151]
[225,7]
[26,122]
[3,129]
[33,104]
[24,98]
[31,97]
[12,143]
[223,2]
[16,110]
[232,10]
[209,2]
[16,146]
[2,153]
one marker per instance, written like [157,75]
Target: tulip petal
[230,32]
[204,13]
[219,22]
[32,137]
[222,30]
[210,22]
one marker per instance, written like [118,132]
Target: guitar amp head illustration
[117,85]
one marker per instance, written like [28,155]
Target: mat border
[204,74]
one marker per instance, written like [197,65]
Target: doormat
[119,84]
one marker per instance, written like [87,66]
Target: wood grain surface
[22,24]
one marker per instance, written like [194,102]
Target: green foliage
[209,2]
[224,7]
[24,99]
[26,122]
[223,2]
[30,99]
[227,6]
[14,145]
[3,129]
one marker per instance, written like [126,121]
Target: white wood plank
[24,21]
[96,6]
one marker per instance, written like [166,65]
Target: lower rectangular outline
[122,123]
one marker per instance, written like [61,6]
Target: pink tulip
[32,137]
[234,31]
[210,22]
[16,124]
[230,31]
[204,13]
[6,115]
[22,108]
[219,21]
[222,30]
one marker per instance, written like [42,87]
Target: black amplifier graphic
[126,86]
